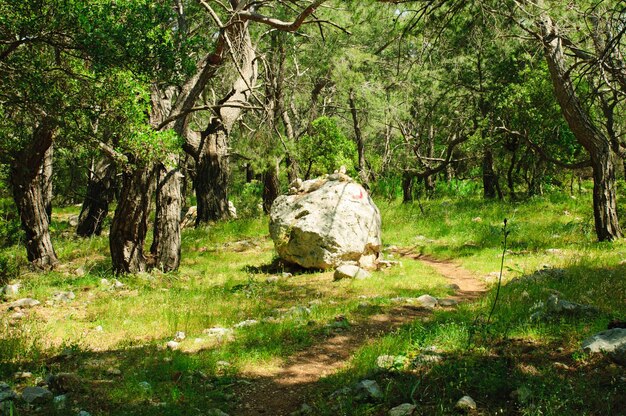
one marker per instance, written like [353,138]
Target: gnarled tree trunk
[100,193]
[212,172]
[130,222]
[28,184]
[271,187]
[489,176]
[166,243]
[587,133]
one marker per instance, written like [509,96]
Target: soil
[282,391]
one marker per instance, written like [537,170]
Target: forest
[143,145]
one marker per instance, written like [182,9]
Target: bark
[212,172]
[100,193]
[46,181]
[130,222]
[586,132]
[489,176]
[407,187]
[27,183]
[360,145]
[271,187]
[166,242]
[429,181]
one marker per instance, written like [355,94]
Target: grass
[508,366]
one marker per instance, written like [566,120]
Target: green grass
[223,281]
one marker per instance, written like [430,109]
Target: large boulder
[326,222]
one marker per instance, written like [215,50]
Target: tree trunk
[360,145]
[586,132]
[46,181]
[271,187]
[100,193]
[166,234]
[407,187]
[27,183]
[130,222]
[212,171]
[489,176]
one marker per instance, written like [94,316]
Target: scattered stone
[117,284]
[606,341]
[555,251]
[60,402]
[427,301]
[367,390]
[447,302]
[112,371]
[222,365]
[388,263]
[216,412]
[426,359]
[172,345]
[405,409]
[11,290]
[6,393]
[248,322]
[619,354]
[145,386]
[492,277]
[348,271]
[84,413]
[232,210]
[179,336]
[299,310]
[105,282]
[465,404]
[342,392]
[24,303]
[98,328]
[272,279]
[218,332]
[16,316]
[36,395]
[64,296]
[80,272]
[73,220]
[558,307]
[286,275]
[453,286]
[22,375]
[477,219]
[330,221]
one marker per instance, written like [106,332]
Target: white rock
[172,345]
[11,290]
[190,217]
[465,403]
[179,336]
[98,328]
[64,296]
[218,331]
[427,301]
[405,409]
[117,284]
[247,322]
[348,271]
[605,341]
[24,303]
[335,221]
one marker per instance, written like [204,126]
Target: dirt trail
[284,390]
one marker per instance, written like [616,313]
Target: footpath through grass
[110,342]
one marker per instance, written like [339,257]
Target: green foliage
[10,231]
[326,149]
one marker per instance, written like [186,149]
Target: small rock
[84,413]
[453,286]
[426,359]
[405,409]
[342,392]
[63,296]
[349,271]
[145,386]
[218,332]
[555,251]
[112,371]
[447,302]
[36,395]
[60,402]
[172,345]
[605,341]
[223,365]
[367,390]
[216,412]
[386,361]
[179,336]
[6,393]
[24,303]
[98,328]
[465,404]
[248,322]
[11,290]
[16,316]
[21,375]
[80,272]
[477,219]
[272,279]
[285,275]
[427,301]
[117,284]
[73,220]
[105,282]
